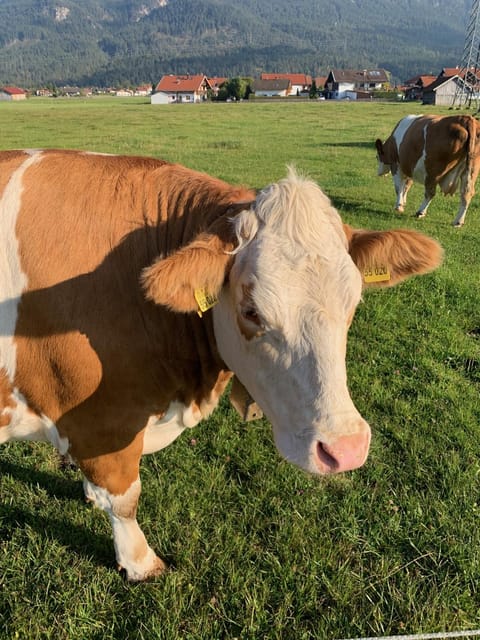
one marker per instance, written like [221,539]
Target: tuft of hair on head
[245,225]
[295,208]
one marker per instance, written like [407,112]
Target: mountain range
[115,42]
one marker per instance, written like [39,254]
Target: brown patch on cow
[209,404]
[116,472]
[223,379]
[7,401]
[10,161]
[405,253]
[105,358]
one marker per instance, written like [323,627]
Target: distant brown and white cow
[103,263]
[433,150]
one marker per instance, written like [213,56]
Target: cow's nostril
[328,464]
[344,454]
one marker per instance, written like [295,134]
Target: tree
[235,89]
[313,93]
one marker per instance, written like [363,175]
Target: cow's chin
[383,169]
[346,453]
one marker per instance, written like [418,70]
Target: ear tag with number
[205,300]
[376,273]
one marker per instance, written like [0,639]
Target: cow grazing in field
[104,264]
[439,151]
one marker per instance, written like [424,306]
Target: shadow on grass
[55,485]
[96,547]
[439,219]
[344,205]
[360,144]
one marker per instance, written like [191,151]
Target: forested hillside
[102,42]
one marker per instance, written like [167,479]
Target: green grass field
[257,549]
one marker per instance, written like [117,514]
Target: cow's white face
[281,325]
[383,168]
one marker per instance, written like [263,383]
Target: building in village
[413,87]
[12,94]
[349,84]
[440,90]
[272,88]
[299,82]
[181,89]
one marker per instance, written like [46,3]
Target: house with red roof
[12,94]
[443,89]
[413,87]
[186,89]
[216,82]
[299,82]
[143,90]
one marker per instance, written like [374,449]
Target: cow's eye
[251,324]
[250,314]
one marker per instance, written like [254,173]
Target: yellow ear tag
[376,273]
[204,300]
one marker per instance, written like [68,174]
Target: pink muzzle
[344,454]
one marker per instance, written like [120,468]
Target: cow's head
[387,156]
[289,276]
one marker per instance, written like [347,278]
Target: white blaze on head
[282,324]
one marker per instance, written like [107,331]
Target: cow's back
[410,135]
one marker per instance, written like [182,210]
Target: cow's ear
[197,269]
[385,258]
[379,147]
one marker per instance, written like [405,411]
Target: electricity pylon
[468,87]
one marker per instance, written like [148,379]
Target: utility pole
[468,86]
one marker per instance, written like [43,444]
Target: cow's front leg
[460,217]
[430,187]
[133,553]
[402,186]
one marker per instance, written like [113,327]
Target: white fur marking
[27,425]
[419,172]
[159,433]
[402,129]
[131,548]
[12,279]
[96,153]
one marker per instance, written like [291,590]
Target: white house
[343,83]
[186,89]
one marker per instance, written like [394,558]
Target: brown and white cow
[103,263]
[435,150]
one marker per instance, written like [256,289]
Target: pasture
[259,550]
